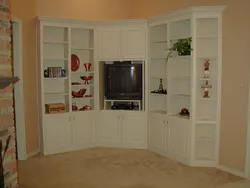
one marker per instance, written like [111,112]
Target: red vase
[87,66]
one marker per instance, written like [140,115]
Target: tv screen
[123,81]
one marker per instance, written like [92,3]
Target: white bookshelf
[66,131]
[192,139]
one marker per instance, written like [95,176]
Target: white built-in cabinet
[158,126]
[192,139]
[122,129]
[117,41]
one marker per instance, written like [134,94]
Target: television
[123,81]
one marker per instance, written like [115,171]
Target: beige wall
[25,10]
[236,70]
[80,9]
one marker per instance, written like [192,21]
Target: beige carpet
[116,168]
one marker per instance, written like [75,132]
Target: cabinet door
[133,43]
[84,129]
[57,133]
[178,134]
[157,133]
[109,128]
[109,44]
[134,134]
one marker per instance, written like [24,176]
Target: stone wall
[7,123]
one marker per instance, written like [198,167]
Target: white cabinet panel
[178,137]
[109,44]
[122,43]
[134,130]
[157,133]
[109,128]
[84,129]
[133,43]
[57,133]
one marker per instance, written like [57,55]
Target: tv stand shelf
[108,103]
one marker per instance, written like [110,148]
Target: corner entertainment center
[143,84]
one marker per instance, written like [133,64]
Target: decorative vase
[87,66]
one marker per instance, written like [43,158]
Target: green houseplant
[182,47]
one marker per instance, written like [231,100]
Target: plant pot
[187,52]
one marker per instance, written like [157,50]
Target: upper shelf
[6,81]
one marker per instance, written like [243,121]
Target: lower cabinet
[158,133]
[168,136]
[68,131]
[122,129]
[83,129]
[178,139]
[109,128]
[57,133]
[134,130]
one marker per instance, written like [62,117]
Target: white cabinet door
[157,133]
[178,138]
[57,133]
[84,129]
[133,43]
[109,44]
[134,130]
[109,128]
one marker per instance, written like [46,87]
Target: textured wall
[6,98]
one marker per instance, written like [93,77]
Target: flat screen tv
[123,81]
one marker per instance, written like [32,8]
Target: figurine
[206,93]
[46,73]
[206,69]
[63,73]
[206,87]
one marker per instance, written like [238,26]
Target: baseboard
[232,171]
[33,153]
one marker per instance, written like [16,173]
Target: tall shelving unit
[208,44]
[192,82]
[67,56]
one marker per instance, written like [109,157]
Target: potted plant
[182,47]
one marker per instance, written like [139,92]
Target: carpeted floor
[116,168]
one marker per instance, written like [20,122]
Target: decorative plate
[75,62]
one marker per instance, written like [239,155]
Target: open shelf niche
[55,67]
[179,71]
[67,61]
[82,79]
[158,69]
[106,104]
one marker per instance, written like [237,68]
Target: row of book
[52,72]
